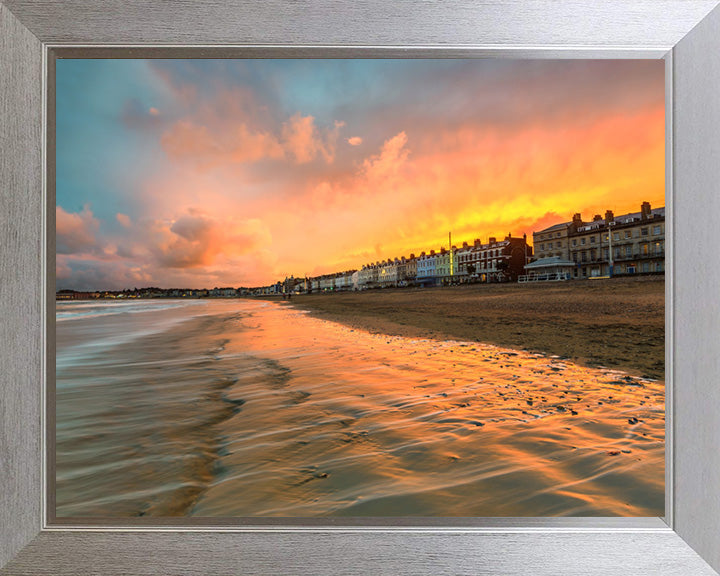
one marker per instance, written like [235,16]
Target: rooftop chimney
[645,211]
[597,218]
[492,240]
[609,216]
[577,219]
[465,245]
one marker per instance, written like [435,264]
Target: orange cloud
[409,194]
[303,141]
[197,240]
[300,136]
[188,141]
[253,146]
[392,156]
[478,184]
[75,233]
[235,142]
[317,208]
[239,191]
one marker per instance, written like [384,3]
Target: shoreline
[615,323]
[181,405]
[228,415]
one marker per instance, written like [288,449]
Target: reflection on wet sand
[256,409]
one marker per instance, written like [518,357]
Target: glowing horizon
[206,173]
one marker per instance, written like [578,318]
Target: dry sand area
[618,323]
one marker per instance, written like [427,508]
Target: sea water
[245,408]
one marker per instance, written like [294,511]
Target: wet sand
[252,409]
[617,323]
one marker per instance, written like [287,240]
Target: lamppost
[610,250]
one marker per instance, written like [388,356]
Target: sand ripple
[257,409]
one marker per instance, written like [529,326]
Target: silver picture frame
[686,33]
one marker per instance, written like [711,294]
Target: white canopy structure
[548,270]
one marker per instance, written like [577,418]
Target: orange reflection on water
[365,424]
[303,417]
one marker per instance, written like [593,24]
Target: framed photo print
[285,296]
[190,380]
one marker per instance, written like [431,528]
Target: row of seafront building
[622,245]
[128,294]
[493,261]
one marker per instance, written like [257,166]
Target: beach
[248,408]
[617,323]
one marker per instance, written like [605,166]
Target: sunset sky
[204,173]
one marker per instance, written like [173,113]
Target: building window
[616,235]
[582,241]
[574,242]
[628,233]
[558,244]
[628,250]
[646,267]
[606,254]
[617,252]
[644,231]
[584,256]
[592,239]
[658,248]
[658,266]
[645,250]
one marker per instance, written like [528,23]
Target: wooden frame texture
[685,32]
